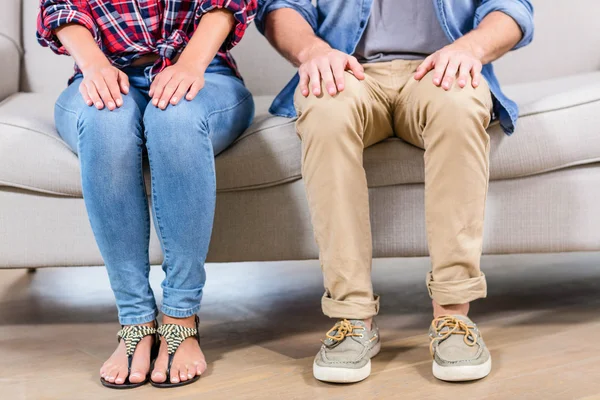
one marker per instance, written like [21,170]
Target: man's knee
[352,96]
[333,120]
[455,109]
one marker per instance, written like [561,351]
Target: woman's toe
[183,373]
[121,376]
[137,377]
[200,367]
[159,375]
[174,374]
[191,371]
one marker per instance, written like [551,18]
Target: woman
[155,77]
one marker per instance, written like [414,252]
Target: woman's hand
[450,60]
[102,86]
[175,82]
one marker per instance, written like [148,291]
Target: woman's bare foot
[188,361]
[115,368]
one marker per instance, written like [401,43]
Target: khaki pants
[451,128]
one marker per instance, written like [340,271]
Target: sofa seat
[559,127]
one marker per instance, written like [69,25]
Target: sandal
[132,335]
[174,335]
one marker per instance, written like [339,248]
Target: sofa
[545,179]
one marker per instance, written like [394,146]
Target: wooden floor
[261,326]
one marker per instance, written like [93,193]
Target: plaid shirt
[128,29]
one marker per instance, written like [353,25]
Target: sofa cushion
[559,127]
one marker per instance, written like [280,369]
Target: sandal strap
[175,335]
[133,334]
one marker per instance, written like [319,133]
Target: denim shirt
[341,23]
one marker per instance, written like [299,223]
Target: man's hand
[175,82]
[327,64]
[449,61]
[102,86]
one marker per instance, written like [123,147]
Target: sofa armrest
[11,49]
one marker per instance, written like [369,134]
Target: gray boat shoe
[345,355]
[458,350]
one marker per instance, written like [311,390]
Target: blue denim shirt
[341,24]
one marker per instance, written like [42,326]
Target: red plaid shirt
[128,29]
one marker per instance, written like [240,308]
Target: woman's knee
[112,135]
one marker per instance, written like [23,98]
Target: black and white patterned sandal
[174,335]
[132,335]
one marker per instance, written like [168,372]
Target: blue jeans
[181,143]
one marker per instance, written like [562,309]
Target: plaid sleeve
[54,13]
[243,11]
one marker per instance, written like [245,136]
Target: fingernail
[155,101]
[340,87]
[111,104]
[119,102]
[162,103]
[174,100]
[462,82]
[98,104]
[89,102]
[126,88]
[436,81]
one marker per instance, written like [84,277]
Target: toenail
[190,376]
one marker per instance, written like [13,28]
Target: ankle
[189,322]
[368,322]
[450,309]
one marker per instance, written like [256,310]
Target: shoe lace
[343,329]
[455,327]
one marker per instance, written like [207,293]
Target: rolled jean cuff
[457,292]
[350,309]
[138,320]
[181,303]
[179,312]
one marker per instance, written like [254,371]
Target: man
[419,70]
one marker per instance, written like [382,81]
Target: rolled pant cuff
[138,320]
[457,292]
[179,312]
[350,309]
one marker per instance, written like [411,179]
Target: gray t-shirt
[400,29]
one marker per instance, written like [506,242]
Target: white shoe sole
[345,375]
[462,373]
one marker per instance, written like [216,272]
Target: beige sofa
[544,195]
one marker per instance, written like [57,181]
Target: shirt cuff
[303,7]
[243,11]
[48,22]
[520,11]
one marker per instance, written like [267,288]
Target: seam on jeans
[57,104]
[209,116]
[146,211]
[230,107]
[155,207]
